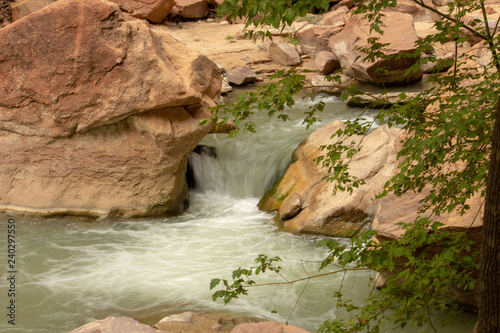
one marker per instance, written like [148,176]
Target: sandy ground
[221,45]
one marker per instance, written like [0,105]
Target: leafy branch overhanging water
[448,124]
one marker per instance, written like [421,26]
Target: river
[73,271]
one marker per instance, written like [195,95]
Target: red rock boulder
[400,36]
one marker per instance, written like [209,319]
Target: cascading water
[71,272]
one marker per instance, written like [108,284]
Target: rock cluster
[189,322]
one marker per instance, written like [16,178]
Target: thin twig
[312,276]
[297,302]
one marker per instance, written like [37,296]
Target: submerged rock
[98,115]
[305,199]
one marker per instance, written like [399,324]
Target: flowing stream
[72,271]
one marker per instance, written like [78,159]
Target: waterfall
[240,169]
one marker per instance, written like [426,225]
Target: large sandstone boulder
[400,36]
[151,10]
[98,115]
[304,197]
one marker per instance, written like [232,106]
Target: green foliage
[242,280]
[420,277]
[445,154]
[276,13]
[273,98]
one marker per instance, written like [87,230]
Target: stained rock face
[399,33]
[98,115]
[305,199]
[151,10]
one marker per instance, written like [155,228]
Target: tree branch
[448,17]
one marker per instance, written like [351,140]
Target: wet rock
[152,10]
[398,33]
[283,54]
[320,211]
[241,76]
[98,115]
